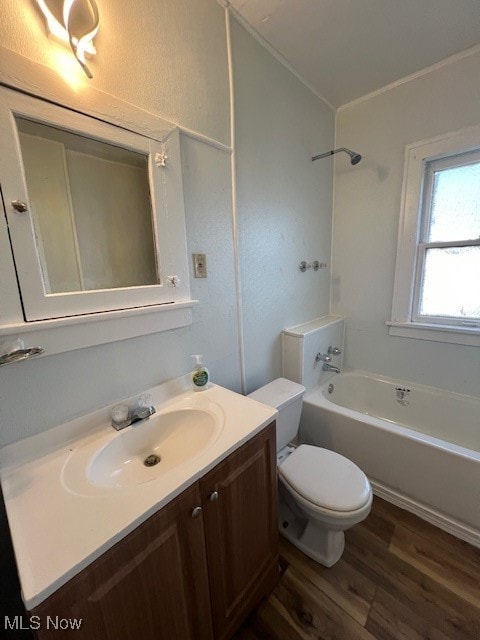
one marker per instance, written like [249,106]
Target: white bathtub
[421,452]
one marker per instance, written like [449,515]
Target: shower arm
[354,157]
[325,155]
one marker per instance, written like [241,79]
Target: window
[448,254]
[437,281]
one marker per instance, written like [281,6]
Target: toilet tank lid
[279,393]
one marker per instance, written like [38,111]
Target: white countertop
[57,532]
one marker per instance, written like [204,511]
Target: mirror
[91,208]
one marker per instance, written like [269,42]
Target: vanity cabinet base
[186,573]
[153,584]
[239,498]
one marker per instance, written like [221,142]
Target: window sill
[438,333]
[77,332]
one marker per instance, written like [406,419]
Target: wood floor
[399,578]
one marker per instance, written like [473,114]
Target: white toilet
[321,493]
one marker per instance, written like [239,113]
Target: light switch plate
[200,265]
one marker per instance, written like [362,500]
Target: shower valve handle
[334,351]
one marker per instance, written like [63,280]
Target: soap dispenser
[200,375]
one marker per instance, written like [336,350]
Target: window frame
[416,193]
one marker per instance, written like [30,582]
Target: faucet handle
[334,351]
[119,414]
[143,408]
[144,401]
[322,357]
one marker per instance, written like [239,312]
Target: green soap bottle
[200,375]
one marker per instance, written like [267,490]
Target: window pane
[456,204]
[451,283]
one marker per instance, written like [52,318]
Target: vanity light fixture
[80,44]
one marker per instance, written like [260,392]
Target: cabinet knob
[196,512]
[213,497]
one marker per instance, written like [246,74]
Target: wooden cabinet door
[241,530]
[152,585]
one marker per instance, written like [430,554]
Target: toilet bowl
[321,493]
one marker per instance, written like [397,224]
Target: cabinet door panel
[152,585]
[241,530]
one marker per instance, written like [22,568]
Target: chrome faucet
[329,367]
[334,351]
[326,358]
[124,415]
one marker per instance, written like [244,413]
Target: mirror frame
[167,206]
[77,332]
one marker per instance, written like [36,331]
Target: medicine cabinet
[93,214]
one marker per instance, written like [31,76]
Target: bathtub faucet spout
[329,367]
[326,359]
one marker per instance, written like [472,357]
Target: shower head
[354,157]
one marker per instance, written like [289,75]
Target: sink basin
[145,451]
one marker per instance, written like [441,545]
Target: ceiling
[345,49]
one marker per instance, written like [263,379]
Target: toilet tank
[287,397]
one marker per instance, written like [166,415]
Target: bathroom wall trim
[457,57]
[233,164]
[78,332]
[33,78]
[272,51]
[200,137]
[440,520]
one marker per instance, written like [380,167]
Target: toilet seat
[326,482]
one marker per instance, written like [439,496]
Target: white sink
[144,451]
[75,490]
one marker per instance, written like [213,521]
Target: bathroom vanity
[191,565]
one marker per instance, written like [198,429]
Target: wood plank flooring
[399,578]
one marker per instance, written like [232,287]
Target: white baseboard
[440,520]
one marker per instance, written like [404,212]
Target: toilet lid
[326,478]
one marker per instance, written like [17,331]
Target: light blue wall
[284,206]
[284,202]
[366,218]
